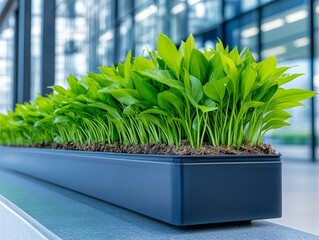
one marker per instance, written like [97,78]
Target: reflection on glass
[203,14]
[146,29]
[178,20]
[243,32]
[105,48]
[126,37]
[71,33]
[285,34]
[36,22]
[235,7]
[6,65]
[316,77]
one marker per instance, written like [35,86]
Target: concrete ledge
[16,224]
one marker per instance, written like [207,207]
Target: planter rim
[154,157]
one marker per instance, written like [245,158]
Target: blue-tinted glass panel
[203,14]
[6,65]
[235,7]
[243,32]
[146,28]
[316,77]
[126,36]
[106,48]
[105,12]
[36,42]
[178,20]
[124,7]
[285,34]
[71,35]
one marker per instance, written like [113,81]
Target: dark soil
[165,149]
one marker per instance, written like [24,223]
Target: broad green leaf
[269,94]
[286,105]
[167,99]
[141,63]
[288,78]
[169,53]
[165,77]
[293,95]
[216,89]
[189,46]
[126,96]
[274,124]
[276,115]
[198,65]
[76,87]
[216,72]
[146,90]
[266,68]
[247,81]
[193,88]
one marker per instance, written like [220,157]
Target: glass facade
[36,44]
[316,70]
[7,64]
[284,33]
[90,33]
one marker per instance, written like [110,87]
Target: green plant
[221,96]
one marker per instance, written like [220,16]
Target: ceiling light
[301,42]
[106,36]
[192,2]
[147,12]
[317,9]
[249,32]
[268,26]
[316,81]
[7,33]
[178,8]
[296,16]
[274,51]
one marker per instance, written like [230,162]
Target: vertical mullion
[311,7]
[48,46]
[24,53]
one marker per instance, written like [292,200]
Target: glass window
[243,32]
[316,77]
[140,3]
[235,7]
[126,36]
[146,29]
[105,14]
[36,33]
[178,20]
[124,7]
[203,14]
[106,48]
[285,34]
[71,33]
[6,65]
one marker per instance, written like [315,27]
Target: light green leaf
[247,81]
[169,53]
[266,68]
[198,65]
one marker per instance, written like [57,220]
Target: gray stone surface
[74,216]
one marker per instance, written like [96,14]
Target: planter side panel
[223,192]
[144,187]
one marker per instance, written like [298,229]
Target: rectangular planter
[180,190]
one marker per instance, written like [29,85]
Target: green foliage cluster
[221,96]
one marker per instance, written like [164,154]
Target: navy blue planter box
[179,190]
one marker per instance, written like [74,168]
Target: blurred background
[43,41]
